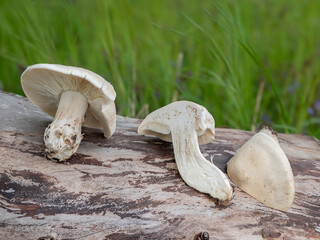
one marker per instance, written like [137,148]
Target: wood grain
[128,186]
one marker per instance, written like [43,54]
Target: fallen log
[128,186]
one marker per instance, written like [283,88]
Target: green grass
[248,62]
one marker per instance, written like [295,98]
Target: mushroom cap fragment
[261,168]
[158,123]
[44,83]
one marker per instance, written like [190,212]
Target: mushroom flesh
[261,168]
[74,97]
[186,124]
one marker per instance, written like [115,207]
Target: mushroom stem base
[197,171]
[63,136]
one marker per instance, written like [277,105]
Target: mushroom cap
[261,168]
[159,122]
[44,83]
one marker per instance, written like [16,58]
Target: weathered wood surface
[128,186]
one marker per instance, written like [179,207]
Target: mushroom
[186,124]
[261,168]
[74,97]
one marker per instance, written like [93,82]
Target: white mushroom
[75,97]
[261,169]
[184,123]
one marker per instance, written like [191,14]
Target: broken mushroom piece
[185,123]
[261,169]
[74,97]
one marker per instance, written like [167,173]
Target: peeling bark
[128,186]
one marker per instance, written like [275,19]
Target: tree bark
[128,186]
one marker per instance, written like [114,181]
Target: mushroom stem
[195,170]
[63,136]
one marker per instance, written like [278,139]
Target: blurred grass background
[248,62]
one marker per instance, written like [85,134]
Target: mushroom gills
[261,168]
[77,92]
[63,136]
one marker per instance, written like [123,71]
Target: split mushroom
[75,97]
[187,124]
[261,169]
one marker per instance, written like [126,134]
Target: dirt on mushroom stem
[63,136]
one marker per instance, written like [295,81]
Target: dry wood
[128,186]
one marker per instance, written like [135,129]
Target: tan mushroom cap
[261,168]
[158,123]
[44,83]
